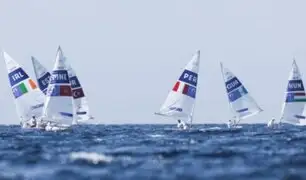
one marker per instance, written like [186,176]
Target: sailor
[33,122]
[181,124]
[40,124]
[229,123]
[48,127]
[271,123]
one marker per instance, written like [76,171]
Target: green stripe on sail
[299,100]
[23,88]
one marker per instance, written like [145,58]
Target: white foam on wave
[98,139]
[156,135]
[211,129]
[92,157]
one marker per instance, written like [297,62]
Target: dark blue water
[153,152]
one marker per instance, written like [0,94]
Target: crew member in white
[33,122]
[229,123]
[271,123]
[181,124]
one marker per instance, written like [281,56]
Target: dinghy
[180,102]
[80,101]
[81,108]
[58,106]
[29,100]
[240,101]
[295,99]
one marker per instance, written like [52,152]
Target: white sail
[58,105]
[80,101]
[29,99]
[241,102]
[42,75]
[180,101]
[295,99]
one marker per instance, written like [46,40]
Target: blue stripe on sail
[237,93]
[81,113]
[59,76]
[17,76]
[43,82]
[242,110]
[66,114]
[300,117]
[232,84]
[189,77]
[295,85]
[74,82]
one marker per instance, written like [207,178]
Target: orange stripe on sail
[32,84]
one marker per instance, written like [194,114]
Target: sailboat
[58,106]
[180,101]
[240,101]
[80,101]
[295,99]
[81,108]
[29,100]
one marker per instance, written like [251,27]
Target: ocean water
[153,152]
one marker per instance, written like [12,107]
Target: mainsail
[29,99]
[180,102]
[42,75]
[295,99]
[80,101]
[241,102]
[58,105]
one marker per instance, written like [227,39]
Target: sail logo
[77,93]
[189,77]
[176,109]
[296,97]
[189,91]
[43,82]
[237,93]
[59,90]
[295,85]
[185,89]
[74,82]
[37,106]
[59,76]
[17,76]
[20,90]
[232,84]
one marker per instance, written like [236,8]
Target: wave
[90,157]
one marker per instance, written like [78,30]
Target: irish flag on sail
[28,98]
[295,99]
[181,99]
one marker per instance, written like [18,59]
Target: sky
[129,54]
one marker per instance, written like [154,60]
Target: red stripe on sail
[176,86]
[300,94]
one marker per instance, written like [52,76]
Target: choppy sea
[154,152]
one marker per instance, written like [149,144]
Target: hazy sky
[128,54]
